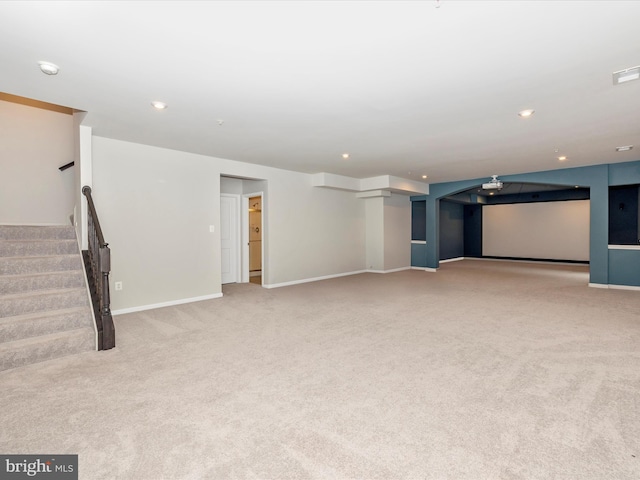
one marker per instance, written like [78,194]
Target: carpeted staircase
[45,311]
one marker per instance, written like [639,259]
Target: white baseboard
[537,262]
[425,269]
[614,287]
[315,279]
[389,271]
[448,260]
[165,304]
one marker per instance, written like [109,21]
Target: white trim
[419,242]
[389,271]
[457,259]
[538,262]
[624,287]
[122,311]
[315,279]
[624,247]
[615,287]
[86,286]
[425,269]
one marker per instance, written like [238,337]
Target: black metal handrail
[97,261]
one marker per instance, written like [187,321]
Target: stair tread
[36,257]
[34,293]
[32,240]
[41,274]
[25,342]
[45,314]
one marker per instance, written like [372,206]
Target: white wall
[397,232]
[374,207]
[156,205]
[545,230]
[33,143]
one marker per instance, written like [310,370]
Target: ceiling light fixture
[562,158]
[624,148]
[49,68]
[424,176]
[626,75]
[526,113]
[345,156]
[159,105]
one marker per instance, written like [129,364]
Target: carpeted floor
[483,370]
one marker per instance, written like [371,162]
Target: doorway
[255,239]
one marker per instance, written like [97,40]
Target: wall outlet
[118,285]
[212,228]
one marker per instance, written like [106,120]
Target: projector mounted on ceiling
[494,184]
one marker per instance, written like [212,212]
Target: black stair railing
[97,260]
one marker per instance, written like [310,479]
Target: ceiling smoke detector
[48,68]
[626,75]
[494,184]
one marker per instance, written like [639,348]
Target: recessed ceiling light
[159,105]
[626,75]
[345,156]
[562,158]
[492,193]
[624,148]
[49,68]
[526,113]
[424,176]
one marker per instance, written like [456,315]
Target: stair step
[46,347]
[44,323]
[32,232]
[24,248]
[29,265]
[40,301]
[10,284]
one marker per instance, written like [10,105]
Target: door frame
[244,221]
[238,256]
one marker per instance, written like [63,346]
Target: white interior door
[229,238]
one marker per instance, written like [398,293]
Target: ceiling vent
[626,75]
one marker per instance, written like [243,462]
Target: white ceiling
[425,87]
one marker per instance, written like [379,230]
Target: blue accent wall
[624,267]
[598,178]
[418,255]
[451,230]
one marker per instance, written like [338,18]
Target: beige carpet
[483,370]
